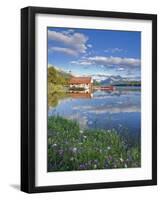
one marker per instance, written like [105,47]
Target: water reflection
[102,109]
[81,95]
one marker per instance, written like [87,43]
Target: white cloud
[109,62]
[89,45]
[73,40]
[114,50]
[80,62]
[101,60]
[99,78]
[64,50]
[68,31]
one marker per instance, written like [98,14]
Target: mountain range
[118,80]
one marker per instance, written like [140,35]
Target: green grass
[70,148]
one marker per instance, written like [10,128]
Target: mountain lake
[118,109]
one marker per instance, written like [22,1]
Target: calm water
[119,109]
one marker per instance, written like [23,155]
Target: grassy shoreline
[70,148]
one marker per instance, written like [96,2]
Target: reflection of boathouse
[81,84]
[81,95]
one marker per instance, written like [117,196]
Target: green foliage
[57,77]
[96,83]
[57,81]
[70,148]
[53,98]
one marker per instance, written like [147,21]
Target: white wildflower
[95,166]
[74,149]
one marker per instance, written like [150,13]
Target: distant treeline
[131,83]
[96,83]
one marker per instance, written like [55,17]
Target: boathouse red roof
[80,80]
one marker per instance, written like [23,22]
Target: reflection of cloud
[119,108]
[82,120]
[84,107]
[120,69]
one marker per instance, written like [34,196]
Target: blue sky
[97,53]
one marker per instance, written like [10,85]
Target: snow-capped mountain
[114,80]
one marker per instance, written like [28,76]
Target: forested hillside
[57,82]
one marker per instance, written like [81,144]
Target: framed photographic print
[88,99]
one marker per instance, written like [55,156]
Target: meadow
[71,148]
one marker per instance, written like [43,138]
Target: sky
[96,53]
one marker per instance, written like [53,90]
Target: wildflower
[54,145]
[82,166]
[61,152]
[81,131]
[96,161]
[130,158]
[71,158]
[125,165]
[89,162]
[74,149]
[84,137]
[65,142]
[108,147]
[94,166]
[106,164]
[110,157]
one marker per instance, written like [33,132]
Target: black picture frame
[28,98]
